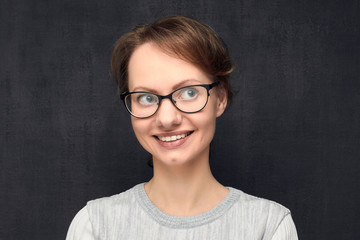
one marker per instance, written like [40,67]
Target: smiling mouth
[174,137]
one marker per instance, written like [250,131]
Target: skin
[183,184]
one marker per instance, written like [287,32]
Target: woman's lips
[173,137]
[172,141]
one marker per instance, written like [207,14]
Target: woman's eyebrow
[186,83]
[183,83]
[143,89]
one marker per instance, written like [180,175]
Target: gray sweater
[131,215]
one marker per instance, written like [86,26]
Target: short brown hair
[184,37]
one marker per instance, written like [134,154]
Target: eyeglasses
[189,99]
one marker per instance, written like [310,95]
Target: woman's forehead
[151,68]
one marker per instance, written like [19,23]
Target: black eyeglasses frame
[169,96]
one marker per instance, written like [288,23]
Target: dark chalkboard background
[292,134]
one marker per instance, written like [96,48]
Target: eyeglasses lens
[142,104]
[190,99]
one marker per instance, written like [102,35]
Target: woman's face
[151,70]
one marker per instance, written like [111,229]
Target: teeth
[172,138]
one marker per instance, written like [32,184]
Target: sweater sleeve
[80,227]
[286,230]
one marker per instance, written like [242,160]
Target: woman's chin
[171,161]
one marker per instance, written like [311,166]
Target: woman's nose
[168,115]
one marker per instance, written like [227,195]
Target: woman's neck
[185,190]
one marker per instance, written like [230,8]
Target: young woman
[173,77]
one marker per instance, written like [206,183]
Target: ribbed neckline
[185,222]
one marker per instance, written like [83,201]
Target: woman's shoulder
[124,198]
[101,212]
[251,199]
[86,221]
[80,227]
[260,215]
[257,206]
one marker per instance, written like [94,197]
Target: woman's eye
[189,93]
[147,99]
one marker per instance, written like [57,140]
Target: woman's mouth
[173,141]
[173,138]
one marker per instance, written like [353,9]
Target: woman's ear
[221,101]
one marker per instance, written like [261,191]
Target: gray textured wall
[292,134]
